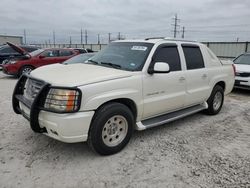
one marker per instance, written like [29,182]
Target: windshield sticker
[141,48]
[132,64]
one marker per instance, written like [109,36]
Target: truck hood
[77,74]
[242,68]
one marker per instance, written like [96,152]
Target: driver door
[164,92]
[48,57]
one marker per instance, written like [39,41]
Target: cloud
[134,19]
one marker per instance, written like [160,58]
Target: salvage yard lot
[197,151]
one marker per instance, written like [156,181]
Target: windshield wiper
[92,61]
[111,65]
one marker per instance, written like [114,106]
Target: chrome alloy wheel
[217,101]
[114,130]
[26,70]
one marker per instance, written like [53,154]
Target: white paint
[152,94]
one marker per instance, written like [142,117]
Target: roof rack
[183,40]
[151,38]
[170,39]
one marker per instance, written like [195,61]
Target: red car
[41,57]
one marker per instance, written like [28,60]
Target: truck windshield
[129,56]
[243,59]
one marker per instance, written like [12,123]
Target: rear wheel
[111,129]
[215,100]
[25,70]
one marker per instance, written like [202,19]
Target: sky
[204,20]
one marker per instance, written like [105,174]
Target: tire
[26,69]
[215,101]
[111,129]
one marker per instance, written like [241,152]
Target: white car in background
[242,65]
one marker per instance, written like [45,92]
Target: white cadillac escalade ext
[131,84]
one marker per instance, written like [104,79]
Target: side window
[65,53]
[50,53]
[170,55]
[193,56]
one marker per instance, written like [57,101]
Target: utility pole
[24,34]
[86,37]
[109,37]
[183,32]
[70,41]
[81,36]
[176,25]
[119,35]
[54,38]
[98,39]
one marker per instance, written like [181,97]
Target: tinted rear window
[193,56]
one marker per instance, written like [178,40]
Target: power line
[220,26]
[218,31]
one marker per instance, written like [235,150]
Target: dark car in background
[81,58]
[36,59]
[83,50]
[6,52]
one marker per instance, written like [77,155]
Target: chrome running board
[166,118]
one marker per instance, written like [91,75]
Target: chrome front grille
[32,88]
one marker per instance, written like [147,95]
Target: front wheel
[215,100]
[25,70]
[111,129]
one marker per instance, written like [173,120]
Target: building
[13,39]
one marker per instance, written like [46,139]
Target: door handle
[181,79]
[204,76]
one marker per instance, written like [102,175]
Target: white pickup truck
[129,85]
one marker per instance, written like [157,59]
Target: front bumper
[242,82]
[66,127]
[69,128]
[7,71]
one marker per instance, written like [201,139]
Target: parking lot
[197,151]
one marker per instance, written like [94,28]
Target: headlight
[63,100]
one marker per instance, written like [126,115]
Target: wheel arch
[26,65]
[222,84]
[125,101]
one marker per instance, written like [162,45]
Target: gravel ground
[197,151]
